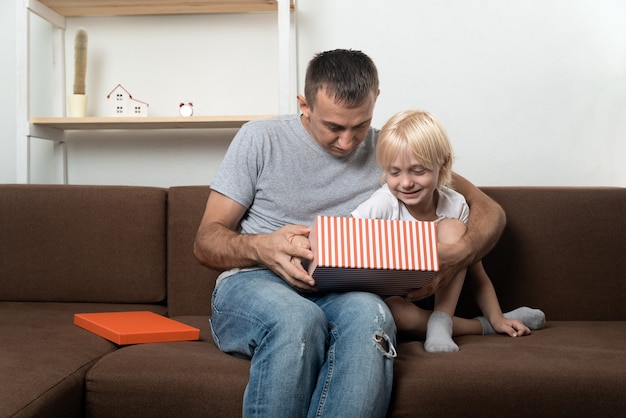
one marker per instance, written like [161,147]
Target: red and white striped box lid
[388,256]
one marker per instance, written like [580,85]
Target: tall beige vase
[77,105]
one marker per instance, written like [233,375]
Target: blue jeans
[311,355]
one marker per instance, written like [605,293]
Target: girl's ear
[383,177]
[446,162]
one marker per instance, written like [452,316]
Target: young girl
[416,157]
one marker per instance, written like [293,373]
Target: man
[311,354]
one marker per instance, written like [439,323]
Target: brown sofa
[69,249]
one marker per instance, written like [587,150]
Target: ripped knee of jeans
[384,344]
[381,338]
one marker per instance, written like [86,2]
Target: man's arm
[486,223]
[219,246]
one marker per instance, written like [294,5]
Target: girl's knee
[394,301]
[450,231]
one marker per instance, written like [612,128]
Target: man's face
[336,128]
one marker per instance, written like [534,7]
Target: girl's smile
[414,185]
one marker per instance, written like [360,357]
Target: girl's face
[414,185]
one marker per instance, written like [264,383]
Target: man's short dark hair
[348,76]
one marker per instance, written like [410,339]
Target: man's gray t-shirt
[275,169]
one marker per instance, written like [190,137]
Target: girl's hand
[512,327]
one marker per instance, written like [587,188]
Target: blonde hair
[419,132]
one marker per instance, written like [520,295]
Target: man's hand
[218,244]
[282,252]
[452,259]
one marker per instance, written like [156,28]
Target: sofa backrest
[189,283]
[74,243]
[563,250]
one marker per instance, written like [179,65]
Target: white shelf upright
[25,131]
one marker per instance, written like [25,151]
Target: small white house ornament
[123,104]
[185,109]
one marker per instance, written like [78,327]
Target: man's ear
[303,105]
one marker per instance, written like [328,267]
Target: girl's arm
[485,293]
[487,301]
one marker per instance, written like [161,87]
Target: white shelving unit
[57,11]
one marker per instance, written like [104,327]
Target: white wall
[531,93]
[223,64]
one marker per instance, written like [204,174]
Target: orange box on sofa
[135,327]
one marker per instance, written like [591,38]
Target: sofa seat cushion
[569,368]
[44,356]
[173,379]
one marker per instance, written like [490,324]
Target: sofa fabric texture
[83,244]
[71,249]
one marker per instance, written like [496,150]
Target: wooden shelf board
[155,7]
[146,122]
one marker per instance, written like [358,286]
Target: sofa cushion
[189,284]
[82,243]
[174,379]
[562,251]
[44,356]
[568,369]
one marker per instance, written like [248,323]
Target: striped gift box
[375,255]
